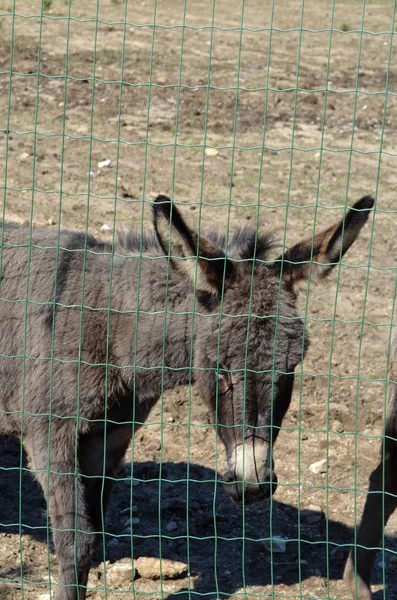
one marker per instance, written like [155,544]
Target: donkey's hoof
[357,587]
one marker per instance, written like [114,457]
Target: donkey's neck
[163,344]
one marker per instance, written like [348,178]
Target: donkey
[91,335]
[381,501]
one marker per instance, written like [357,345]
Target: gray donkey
[381,501]
[91,335]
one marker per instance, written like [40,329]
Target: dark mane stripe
[241,243]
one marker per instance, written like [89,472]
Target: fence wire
[274,115]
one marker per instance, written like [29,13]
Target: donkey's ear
[327,248]
[201,260]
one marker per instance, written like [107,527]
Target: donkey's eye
[225,382]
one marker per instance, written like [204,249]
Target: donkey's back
[52,287]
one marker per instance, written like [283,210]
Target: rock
[104,163]
[24,155]
[126,511]
[106,227]
[121,573]
[162,79]
[45,597]
[211,152]
[156,568]
[127,191]
[393,559]
[312,514]
[276,543]
[318,467]
[51,221]
[153,446]
[171,526]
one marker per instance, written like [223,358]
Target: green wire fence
[274,115]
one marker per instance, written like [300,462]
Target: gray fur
[57,392]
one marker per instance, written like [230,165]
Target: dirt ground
[282,103]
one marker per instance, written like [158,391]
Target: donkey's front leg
[73,531]
[380,504]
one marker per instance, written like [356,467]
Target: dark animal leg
[98,487]
[73,531]
[375,516]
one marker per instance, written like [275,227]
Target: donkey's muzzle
[248,492]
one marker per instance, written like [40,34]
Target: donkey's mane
[243,243]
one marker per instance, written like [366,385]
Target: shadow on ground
[181,513]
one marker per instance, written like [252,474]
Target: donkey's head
[248,335]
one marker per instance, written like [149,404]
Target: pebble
[318,467]
[126,511]
[156,568]
[45,597]
[24,155]
[104,163]
[276,543]
[106,227]
[312,514]
[171,526]
[211,152]
[121,573]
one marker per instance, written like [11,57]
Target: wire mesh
[274,115]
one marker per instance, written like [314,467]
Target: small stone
[304,562]
[393,559]
[45,597]
[227,572]
[153,446]
[211,152]
[50,221]
[135,520]
[318,467]
[381,564]
[276,543]
[24,155]
[162,79]
[104,163]
[106,227]
[171,526]
[127,191]
[129,509]
[312,514]
[121,573]
[156,568]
